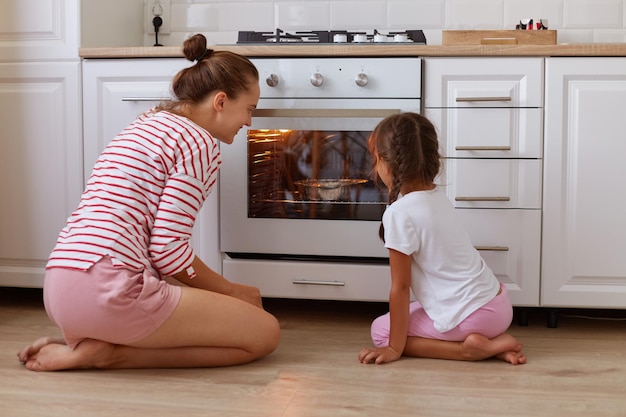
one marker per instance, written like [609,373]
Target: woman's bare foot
[33,348]
[504,347]
[53,354]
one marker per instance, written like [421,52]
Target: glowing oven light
[267,135]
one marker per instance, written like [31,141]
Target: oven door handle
[328,113]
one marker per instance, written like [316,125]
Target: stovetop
[331,37]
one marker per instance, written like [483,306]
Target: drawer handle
[482,198]
[314,282]
[483,148]
[466,99]
[146,98]
[493,248]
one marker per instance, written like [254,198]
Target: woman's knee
[267,340]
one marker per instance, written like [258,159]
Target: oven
[299,209]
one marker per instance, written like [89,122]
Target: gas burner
[279,36]
[333,36]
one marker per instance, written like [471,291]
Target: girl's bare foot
[504,347]
[53,354]
[513,357]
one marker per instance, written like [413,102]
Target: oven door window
[312,174]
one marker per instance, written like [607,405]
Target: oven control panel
[339,77]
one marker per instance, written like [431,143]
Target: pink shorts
[107,303]
[491,320]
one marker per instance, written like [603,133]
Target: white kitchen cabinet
[115,92]
[40,138]
[508,242]
[484,132]
[488,113]
[39,30]
[584,214]
[499,183]
[40,178]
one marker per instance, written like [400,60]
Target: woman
[104,282]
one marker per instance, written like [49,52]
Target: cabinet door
[584,225]
[39,29]
[493,183]
[115,92]
[489,113]
[488,132]
[483,82]
[508,241]
[40,164]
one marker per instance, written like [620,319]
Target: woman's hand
[246,293]
[207,279]
[379,355]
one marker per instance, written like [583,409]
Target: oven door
[298,181]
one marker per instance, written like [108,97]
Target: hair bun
[195,47]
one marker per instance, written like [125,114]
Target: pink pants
[491,320]
[107,303]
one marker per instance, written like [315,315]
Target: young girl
[103,285]
[462,311]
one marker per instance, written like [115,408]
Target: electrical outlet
[161,8]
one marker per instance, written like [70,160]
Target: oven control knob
[317,79]
[272,80]
[361,80]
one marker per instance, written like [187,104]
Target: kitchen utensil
[328,189]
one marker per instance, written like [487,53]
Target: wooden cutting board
[499,37]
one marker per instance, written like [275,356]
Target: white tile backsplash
[475,14]
[601,14]
[415,14]
[576,20]
[575,36]
[302,15]
[355,15]
[609,36]
[515,10]
[223,16]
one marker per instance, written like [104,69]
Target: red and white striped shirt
[142,199]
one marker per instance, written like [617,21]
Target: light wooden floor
[577,369]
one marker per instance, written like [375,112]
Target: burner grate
[279,36]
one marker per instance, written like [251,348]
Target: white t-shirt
[448,276]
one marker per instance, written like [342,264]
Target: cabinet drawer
[510,243]
[493,183]
[115,92]
[483,82]
[312,280]
[489,133]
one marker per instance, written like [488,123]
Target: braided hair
[407,143]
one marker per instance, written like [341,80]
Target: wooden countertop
[582,50]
